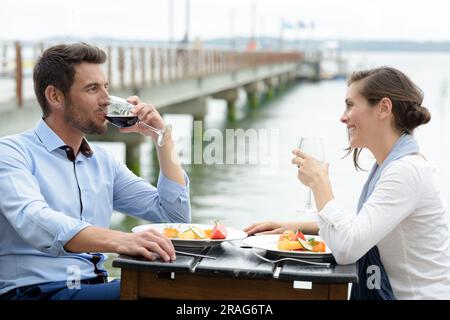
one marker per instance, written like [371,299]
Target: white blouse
[406,218]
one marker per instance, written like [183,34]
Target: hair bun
[416,116]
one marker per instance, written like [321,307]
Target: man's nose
[104,99]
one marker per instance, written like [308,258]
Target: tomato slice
[300,235]
[219,232]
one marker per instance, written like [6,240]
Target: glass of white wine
[314,147]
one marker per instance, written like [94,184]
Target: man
[57,192]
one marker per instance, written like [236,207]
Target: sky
[417,20]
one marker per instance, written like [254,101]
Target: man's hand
[146,113]
[149,244]
[167,156]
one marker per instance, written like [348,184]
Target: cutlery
[323,264]
[194,254]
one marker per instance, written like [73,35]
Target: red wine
[122,121]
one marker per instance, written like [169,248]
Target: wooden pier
[175,80]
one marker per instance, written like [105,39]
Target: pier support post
[271,84]
[253,90]
[121,67]
[230,96]
[291,77]
[283,80]
[231,110]
[316,68]
[133,157]
[196,107]
[19,74]
[4,60]
[132,142]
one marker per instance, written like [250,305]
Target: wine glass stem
[308,201]
[151,128]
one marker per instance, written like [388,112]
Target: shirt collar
[52,141]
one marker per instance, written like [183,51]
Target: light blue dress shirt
[46,199]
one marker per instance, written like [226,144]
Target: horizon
[112,38]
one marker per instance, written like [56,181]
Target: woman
[399,236]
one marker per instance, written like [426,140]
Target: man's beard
[80,122]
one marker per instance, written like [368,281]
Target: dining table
[232,271]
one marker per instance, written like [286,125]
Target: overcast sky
[422,20]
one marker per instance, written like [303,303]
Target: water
[243,194]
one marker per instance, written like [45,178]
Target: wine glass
[119,114]
[314,147]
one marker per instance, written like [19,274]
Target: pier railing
[133,67]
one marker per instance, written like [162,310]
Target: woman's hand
[314,174]
[310,170]
[271,227]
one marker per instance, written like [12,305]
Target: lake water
[239,195]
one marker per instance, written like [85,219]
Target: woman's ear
[54,96]
[385,107]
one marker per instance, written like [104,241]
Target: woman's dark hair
[56,67]
[406,97]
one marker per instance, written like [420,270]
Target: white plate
[232,234]
[269,243]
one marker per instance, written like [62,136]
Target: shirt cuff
[67,232]
[170,190]
[330,214]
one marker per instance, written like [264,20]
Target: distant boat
[333,65]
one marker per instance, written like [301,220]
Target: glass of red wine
[119,114]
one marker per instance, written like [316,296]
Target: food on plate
[199,234]
[219,231]
[208,233]
[195,233]
[171,232]
[187,235]
[295,240]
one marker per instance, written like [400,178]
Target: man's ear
[385,108]
[55,98]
